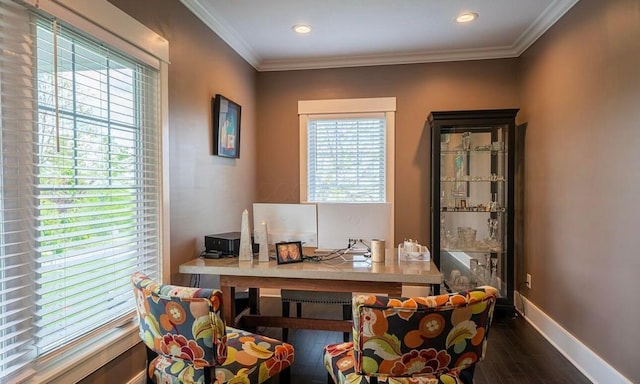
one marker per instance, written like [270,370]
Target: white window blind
[346,159]
[80,185]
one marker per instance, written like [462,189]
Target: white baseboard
[591,365]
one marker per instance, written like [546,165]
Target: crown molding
[389,59]
[546,19]
[224,31]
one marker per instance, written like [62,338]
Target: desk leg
[254,301]
[229,304]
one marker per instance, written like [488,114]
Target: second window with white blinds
[346,158]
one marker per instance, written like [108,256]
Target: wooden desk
[358,274]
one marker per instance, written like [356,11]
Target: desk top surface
[352,267]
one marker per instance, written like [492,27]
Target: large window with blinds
[80,185]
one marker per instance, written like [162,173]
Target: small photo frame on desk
[290,252]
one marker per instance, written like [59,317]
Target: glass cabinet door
[472,199]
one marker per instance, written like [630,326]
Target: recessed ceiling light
[466,17]
[301,29]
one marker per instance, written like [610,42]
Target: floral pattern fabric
[186,328]
[415,340]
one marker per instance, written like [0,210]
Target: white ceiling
[349,33]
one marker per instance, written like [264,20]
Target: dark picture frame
[226,127]
[289,252]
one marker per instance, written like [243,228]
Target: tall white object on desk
[263,235]
[246,250]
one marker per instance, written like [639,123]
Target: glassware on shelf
[473,269]
[466,140]
[457,281]
[494,205]
[495,279]
[467,237]
[487,267]
[497,146]
[448,242]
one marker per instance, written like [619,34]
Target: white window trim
[108,23]
[386,105]
[113,26]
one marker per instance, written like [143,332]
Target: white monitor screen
[339,222]
[287,222]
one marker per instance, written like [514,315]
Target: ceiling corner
[225,32]
[546,20]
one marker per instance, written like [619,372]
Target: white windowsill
[79,362]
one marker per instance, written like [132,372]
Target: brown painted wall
[419,89]
[208,193]
[581,98]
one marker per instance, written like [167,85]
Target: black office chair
[317,297]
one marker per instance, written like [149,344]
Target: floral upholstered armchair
[416,340]
[188,341]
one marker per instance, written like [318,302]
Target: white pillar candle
[246,250]
[263,256]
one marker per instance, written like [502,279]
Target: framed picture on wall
[226,127]
[290,252]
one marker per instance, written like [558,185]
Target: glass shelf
[484,150]
[470,180]
[471,210]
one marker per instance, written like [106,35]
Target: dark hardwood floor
[516,352]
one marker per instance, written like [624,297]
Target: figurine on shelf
[466,140]
[493,205]
[495,279]
[493,229]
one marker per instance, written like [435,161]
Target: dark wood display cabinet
[474,197]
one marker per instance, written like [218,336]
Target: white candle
[246,250]
[263,256]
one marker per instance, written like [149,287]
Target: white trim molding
[588,362]
[221,28]
[108,23]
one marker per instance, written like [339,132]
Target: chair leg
[150,356]
[285,313]
[207,374]
[346,315]
[285,376]
[466,375]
